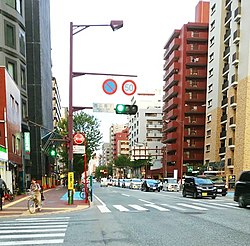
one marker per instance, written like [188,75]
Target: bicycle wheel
[82,194]
[31,206]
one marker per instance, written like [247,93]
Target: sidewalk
[56,201]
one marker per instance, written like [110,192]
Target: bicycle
[32,202]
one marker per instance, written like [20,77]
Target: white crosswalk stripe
[198,205]
[33,231]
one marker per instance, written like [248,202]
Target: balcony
[231,144]
[222,150]
[226,53]
[170,93]
[194,145]
[236,37]
[174,45]
[224,102]
[223,134]
[223,118]
[235,59]
[198,74]
[237,14]
[225,85]
[171,136]
[172,114]
[234,80]
[230,163]
[228,18]
[173,57]
[195,49]
[194,121]
[197,36]
[154,135]
[233,103]
[227,35]
[171,147]
[173,69]
[232,123]
[196,61]
[225,69]
[227,3]
[171,104]
[195,86]
[173,80]
[195,110]
[154,126]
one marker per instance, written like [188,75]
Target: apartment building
[184,96]
[227,145]
[56,102]
[121,144]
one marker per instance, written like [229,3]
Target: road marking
[224,205]
[145,201]
[174,207]
[121,208]
[100,200]
[103,209]
[43,219]
[191,206]
[31,226]
[31,231]
[207,206]
[232,204]
[32,236]
[137,207]
[50,241]
[125,195]
[157,207]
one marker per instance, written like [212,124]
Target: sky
[136,49]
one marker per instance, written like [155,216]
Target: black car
[242,190]
[199,187]
[150,185]
[219,183]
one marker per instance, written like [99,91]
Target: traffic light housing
[126,109]
[52,152]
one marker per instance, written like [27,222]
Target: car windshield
[217,180]
[136,180]
[200,181]
[173,181]
[152,182]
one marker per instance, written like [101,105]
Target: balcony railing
[237,14]
[236,37]
[223,118]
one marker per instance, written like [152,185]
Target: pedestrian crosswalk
[33,231]
[164,207]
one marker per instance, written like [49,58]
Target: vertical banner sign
[70,180]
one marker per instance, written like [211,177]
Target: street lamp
[74,29]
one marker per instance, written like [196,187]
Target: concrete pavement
[56,201]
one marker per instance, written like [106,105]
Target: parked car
[242,190]
[104,182]
[170,184]
[220,184]
[150,185]
[135,184]
[199,187]
[125,183]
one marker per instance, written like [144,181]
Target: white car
[104,182]
[135,184]
[170,184]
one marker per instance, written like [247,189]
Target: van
[242,190]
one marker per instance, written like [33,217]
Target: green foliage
[122,161]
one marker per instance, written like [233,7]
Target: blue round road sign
[109,86]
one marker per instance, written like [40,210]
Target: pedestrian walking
[3,187]
[36,189]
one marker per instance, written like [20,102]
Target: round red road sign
[129,87]
[109,86]
[79,138]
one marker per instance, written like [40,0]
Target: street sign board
[109,86]
[129,87]
[103,107]
[78,149]
[79,138]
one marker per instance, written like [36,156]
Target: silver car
[170,184]
[135,184]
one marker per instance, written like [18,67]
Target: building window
[211,41]
[213,9]
[209,118]
[210,88]
[22,42]
[212,25]
[10,35]
[24,110]
[208,133]
[211,57]
[23,78]
[208,148]
[11,67]
[211,73]
[210,103]
[13,144]
[16,4]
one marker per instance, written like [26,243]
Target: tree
[122,161]
[87,124]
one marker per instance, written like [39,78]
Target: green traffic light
[52,153]
[120,108]
[126,109]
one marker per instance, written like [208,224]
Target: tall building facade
[121,144]
[39,80]
[227,142]
[13,58]
[185,95]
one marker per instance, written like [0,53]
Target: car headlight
[226,186]
[199,188]
[214,188]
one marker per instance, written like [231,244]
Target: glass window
[10,35]
[23,78]
[11,67]
[11,3]
[24,110]
[22,42]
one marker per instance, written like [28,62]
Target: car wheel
[159,190]
[213,197]
[195,195]
[184,194]
[223,194]
[241,202]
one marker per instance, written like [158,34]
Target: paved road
[128,217]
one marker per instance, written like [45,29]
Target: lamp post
[74,29]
